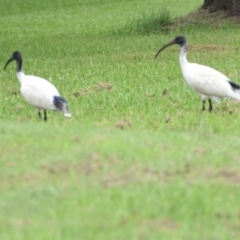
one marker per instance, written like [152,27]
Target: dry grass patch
[101,86]
[161,224]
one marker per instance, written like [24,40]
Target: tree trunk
[207,3]
[233,6]
[217,5]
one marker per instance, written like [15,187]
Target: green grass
[138,160]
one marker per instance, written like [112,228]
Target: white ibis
[37,91]
[208,82]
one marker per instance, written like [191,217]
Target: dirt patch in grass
[115,179]
[161,224]
[104,86]
[93,165]
[30,177]
[202,18]
[20,222]
[24,119]
[61,168]
[101,86]
[187,173]
[112,172]
[81,93]
[140,175]
[229,176]
[124,123]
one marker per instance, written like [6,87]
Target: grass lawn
[138,159]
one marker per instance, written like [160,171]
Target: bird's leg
[210,105]
[203,105]
[39,113]
[45,115]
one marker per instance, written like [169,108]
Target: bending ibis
[208,82]
[37,91]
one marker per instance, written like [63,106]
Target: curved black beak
[9,60]
[165,46]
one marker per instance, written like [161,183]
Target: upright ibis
[37,91]
[208,82]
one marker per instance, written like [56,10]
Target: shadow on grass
[162,21]
[146,24]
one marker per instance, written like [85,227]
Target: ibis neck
[183,54]
[20,76]
[19,65]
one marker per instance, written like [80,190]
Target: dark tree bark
[217,5]
[235,8]
[232,6]
[207,3]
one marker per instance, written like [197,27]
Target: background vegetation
[138,160]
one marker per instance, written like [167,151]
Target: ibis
[211,84]
[37,91]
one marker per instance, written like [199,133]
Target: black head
[180,40]
[15,56]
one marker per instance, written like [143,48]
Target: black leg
[39,114]
[203,105]
[45,115]
[210,105]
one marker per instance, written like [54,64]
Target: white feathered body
[37,91]
[208,82]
